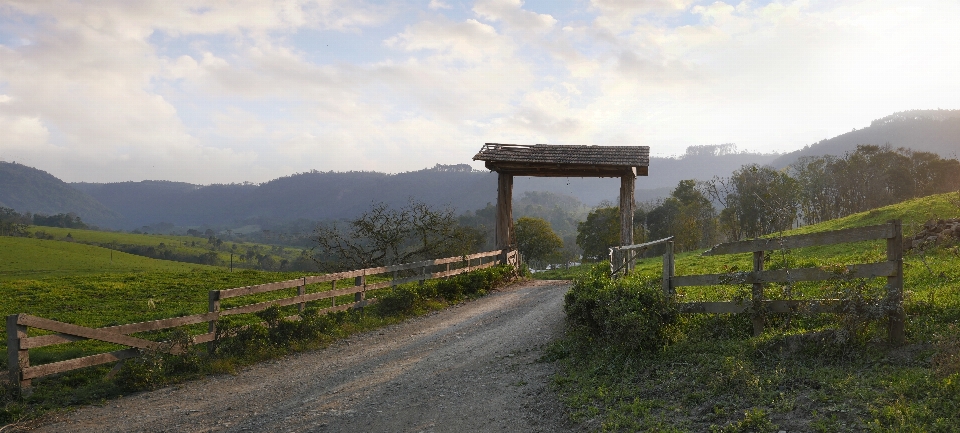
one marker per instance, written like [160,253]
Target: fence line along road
[19,342]
[758,306]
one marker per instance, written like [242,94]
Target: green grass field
[178,245]
[31,259]
[799,375]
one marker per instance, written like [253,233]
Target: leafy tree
[536,240]
[384,236]
[12,223]
[687,215]
[64,220]
[599,232]
[758,200]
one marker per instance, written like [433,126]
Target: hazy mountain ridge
[935,131]
[318,195]
[27,189]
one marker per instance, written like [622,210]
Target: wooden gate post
[504,223]
[757,296]
[17,359]
[627,187]
[897,319]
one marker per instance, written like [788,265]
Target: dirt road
[469,368]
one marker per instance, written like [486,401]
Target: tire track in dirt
[469,368]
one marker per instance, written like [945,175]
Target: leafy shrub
[398,300]
[154,368]
[632,313]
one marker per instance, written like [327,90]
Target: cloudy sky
[250,90]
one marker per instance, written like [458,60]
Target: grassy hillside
[826,373]
[189,249]
[28,258]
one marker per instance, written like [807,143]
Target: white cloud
[438,4]
[511,13]
[212,91]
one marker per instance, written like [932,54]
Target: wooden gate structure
[547,160]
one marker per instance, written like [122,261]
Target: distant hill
[318,195]
[27,189]
[335,195]
[936,131]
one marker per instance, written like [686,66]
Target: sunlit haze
[220,92]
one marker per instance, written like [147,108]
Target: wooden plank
[48,340]
[333,277]
[73,364]
[82,331]
[644,245]
[866,270]
[712,307]
[812,306]
[808,306]
[203,338]
[883,231]
[400,267]
[260,288]
[260,306]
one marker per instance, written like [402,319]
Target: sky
[251,90]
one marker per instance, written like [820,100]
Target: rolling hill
[27,189]
[935,131]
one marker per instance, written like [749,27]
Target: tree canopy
[536,240]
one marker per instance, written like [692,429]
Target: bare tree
[384,236]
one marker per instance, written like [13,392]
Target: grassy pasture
[800,375]
[29,258]
[184,245]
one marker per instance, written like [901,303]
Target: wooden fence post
[17,359]
[896,323]
[669,268]
[333,286]
[359,281]
[213,306]
[302,290]
[757,295]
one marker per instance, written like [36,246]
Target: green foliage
[536,240]
[754,421]
[829,373]
[687,215]
[599,232]
[633,313]
[398,300]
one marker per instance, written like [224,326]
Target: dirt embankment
[470,368]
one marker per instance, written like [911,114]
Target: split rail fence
[758,305]
[19,342]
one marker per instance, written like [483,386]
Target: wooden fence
[19,343]
[622,258]
[758,305]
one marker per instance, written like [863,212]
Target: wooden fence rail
[622,257]
[758,306]
[19,342]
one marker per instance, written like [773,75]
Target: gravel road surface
[469,368]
